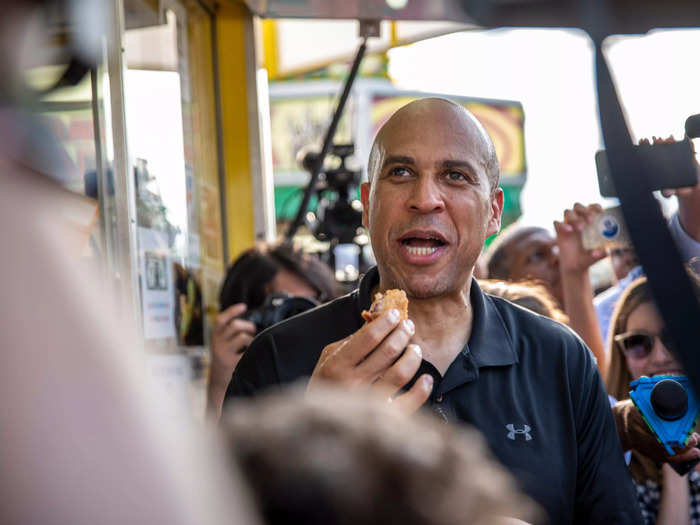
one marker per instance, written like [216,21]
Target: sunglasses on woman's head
[639,344]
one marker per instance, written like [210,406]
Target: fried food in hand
[386,301]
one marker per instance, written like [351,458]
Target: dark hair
[497,256]
[247,279]
[335,458]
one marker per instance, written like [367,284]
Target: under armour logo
[512,431]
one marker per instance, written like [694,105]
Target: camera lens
[669,400]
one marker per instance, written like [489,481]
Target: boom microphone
[692,126]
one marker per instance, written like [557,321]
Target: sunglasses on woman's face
[638,345]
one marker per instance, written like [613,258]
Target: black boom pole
[327,142]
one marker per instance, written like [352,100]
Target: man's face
[623,259]
[535,256]
[430,207]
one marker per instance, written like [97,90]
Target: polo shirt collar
[490,343]
[367,283]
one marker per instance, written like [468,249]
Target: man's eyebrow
[399,159]
[447,163]
[456,164]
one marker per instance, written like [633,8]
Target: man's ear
[364,197]
[496,210]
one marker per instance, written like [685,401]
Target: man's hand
[635,434]
[573,257]
[229,339]
[374,357]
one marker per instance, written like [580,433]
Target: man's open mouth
[422,244]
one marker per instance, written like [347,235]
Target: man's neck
[443,326]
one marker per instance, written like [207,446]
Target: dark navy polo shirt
[529,384]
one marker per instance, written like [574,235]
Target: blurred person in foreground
[257,273]
[81,443]
[333,459]
[527,383]
[639,346]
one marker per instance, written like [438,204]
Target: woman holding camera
[254,275]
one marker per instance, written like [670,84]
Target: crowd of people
[501,399]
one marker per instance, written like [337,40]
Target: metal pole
[124,190]
[257,104]
[220,141]
[102,183]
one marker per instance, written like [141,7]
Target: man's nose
[425,196]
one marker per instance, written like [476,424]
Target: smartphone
[608,229]
[672,166]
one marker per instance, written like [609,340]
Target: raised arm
[574,262]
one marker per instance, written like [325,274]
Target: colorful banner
[299,123]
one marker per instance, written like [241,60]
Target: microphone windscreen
[692,126]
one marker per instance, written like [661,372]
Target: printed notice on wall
[157,293]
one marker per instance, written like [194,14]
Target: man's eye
[399,172]
[456,176]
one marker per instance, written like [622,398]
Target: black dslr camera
[278,307]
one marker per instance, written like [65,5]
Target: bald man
[527,383]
